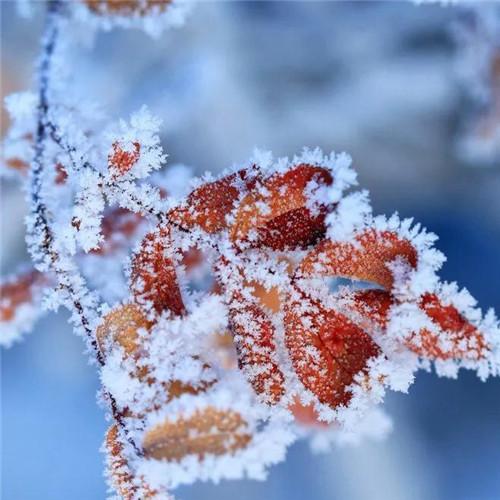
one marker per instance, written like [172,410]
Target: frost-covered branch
[43,246]
[214,311]
[46,252]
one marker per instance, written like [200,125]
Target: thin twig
[38,207]
[39,213]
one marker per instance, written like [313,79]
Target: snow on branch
[202,378]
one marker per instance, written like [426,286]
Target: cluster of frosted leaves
[269,305]
[478,65]
[240,324]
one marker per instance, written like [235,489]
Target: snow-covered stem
[43,246]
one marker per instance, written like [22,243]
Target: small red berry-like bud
[120,161]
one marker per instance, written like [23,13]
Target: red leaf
[274,213]
[326,348]
[254,340]
[121,161]
[463,340]
[366,261]
[208,205]
[154,279]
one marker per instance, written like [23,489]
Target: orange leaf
[274,214]
[121,326]
[372,306]
[366,261]
[121,161]
[208,205]
[458,338]
[207,431]
[154,279]
[327,350]
[253,337]
[463,340]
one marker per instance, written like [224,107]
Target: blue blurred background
[377,80]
